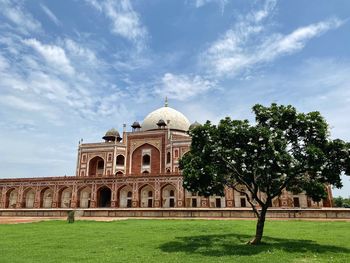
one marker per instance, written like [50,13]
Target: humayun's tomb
[135,170]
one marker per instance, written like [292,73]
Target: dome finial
[166,101]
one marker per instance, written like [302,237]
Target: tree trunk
[259,227]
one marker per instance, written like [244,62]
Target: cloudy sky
[74,69]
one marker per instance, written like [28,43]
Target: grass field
[174,241]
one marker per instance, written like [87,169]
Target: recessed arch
[146,157]
[11,198]
[168,195]
[46,197]
[217,201]
[125,195]
[65,197]
[120,160]
[119,173]
[168,157]
[28,198]
[84,197]
[104,196]
[146,196]
[96,166]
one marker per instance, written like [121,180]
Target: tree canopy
[283,149]
[341,202]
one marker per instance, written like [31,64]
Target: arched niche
[125,197]
[96,166]
[168,196]
[146,196]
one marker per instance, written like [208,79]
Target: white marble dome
[178,121]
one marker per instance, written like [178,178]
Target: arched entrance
[125,197]
[147,196]
[66,197]
[96,166]
[11,198]
[216,201]
[104,195]
[85,197]
[168,196]
[46,198]
[29,198]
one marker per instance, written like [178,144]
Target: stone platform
[290,213]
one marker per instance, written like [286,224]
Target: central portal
[104,197]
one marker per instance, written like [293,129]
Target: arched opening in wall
[96,166]
[104,195]
[168,157]
[11,198]
[217,201]
[147,196]
[84,196]
[168,171]
[125,197]
[120,160]
[192,199]
[145,172]
[146,160]
[146,157]
[119,173]
[46,197]
[240,198]
[296,201]
[168,196]
[65,197]
[176,153]
[29,198]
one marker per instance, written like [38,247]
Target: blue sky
[74,69]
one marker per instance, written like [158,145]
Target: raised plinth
[324,213]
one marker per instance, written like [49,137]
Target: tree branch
[248,199]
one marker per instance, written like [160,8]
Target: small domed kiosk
[112,135]
[194,125]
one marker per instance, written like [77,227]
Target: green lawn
[174,241]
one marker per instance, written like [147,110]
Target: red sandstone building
[139,168]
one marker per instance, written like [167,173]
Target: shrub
[70,216]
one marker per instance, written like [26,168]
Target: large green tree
[283,149]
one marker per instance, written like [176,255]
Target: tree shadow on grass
[235,244]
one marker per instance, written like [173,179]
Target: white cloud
[200,3]
[19,17]
[124,20]
[52,54]
[21,104]
[278,44]
[86,94]
[51,15]
[3,63]
[247,44]
[183,87]
[81,52]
